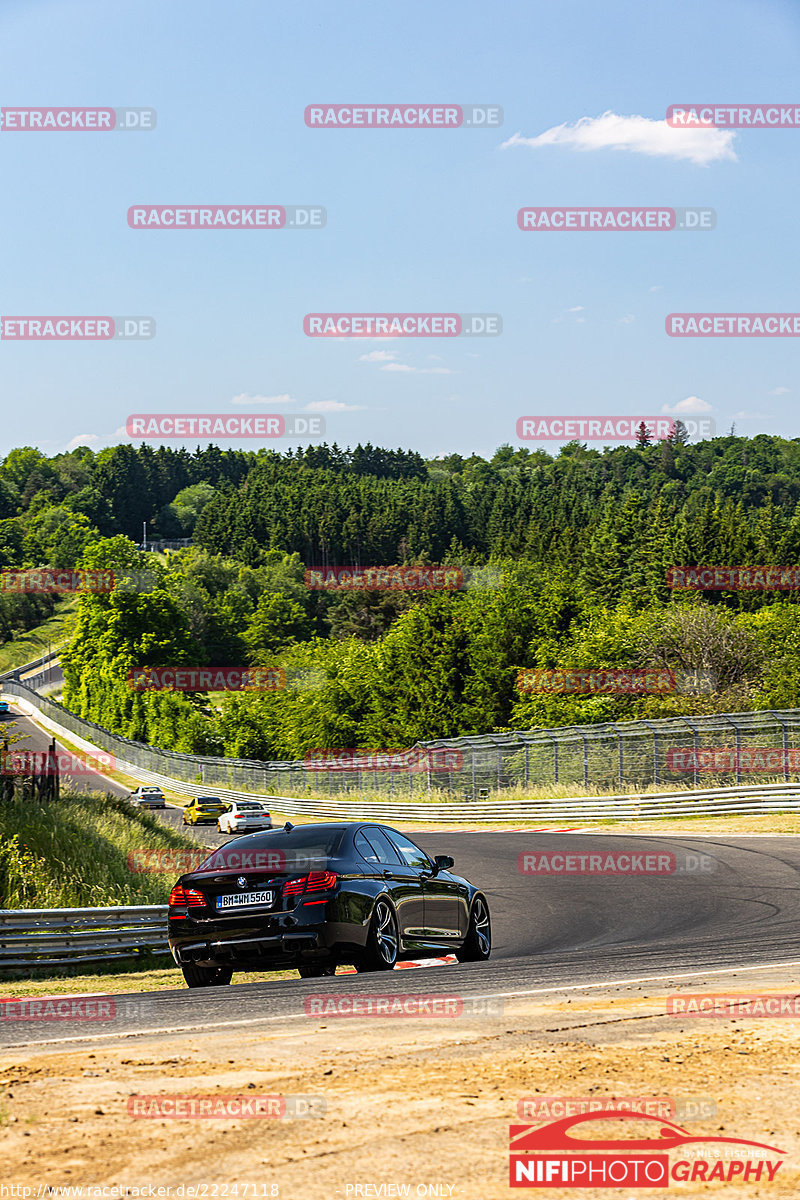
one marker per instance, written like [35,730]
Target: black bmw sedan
[314,896]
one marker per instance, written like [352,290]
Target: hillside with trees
[579,544]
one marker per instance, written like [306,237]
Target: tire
[383,940]
[206,976]
[314,972]
[477,944]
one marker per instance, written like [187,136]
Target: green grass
[73,852]
[33,644]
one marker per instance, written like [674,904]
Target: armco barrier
[31,937]
[632,754]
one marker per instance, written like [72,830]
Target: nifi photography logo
[560,1154]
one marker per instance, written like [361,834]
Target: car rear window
[305,844]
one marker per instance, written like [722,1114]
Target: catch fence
[674,752]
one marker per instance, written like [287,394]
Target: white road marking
[570,987]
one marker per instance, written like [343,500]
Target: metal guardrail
[740,801]
[31,937]
[171,771]
[626,754]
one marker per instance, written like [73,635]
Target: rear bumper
[284,948]
[280,939]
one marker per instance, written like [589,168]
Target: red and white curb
[412,963]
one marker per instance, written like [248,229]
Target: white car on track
[244,816]
[148,797]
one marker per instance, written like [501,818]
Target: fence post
[656,778]
[738,730]
[527,764]
[693,727]
[785,732]
[585,760]
[554,739]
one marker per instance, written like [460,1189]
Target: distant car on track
[244,816]
[203,810]
[148,797]
[4,707]
[313,896]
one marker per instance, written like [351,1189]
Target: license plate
[242,899]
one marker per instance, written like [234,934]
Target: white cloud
[577,308]
[244,398]
[378,356]
[326,406]
[88,439]
[639,135]
[627,320]
[692,404]
[656,288]
[779,391]
[395,366]
[744,415]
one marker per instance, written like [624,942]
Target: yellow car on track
[203,810]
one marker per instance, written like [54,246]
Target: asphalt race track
[549,931]
[737,905]
[38,739]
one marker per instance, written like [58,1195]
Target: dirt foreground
[399,1106]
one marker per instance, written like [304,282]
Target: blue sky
[417,221]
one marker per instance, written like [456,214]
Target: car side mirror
[443,862]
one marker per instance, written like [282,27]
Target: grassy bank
[73,853]
[33,644]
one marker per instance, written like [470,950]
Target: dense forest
[579,544]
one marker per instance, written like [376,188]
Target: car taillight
[181,897]
[317,881]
